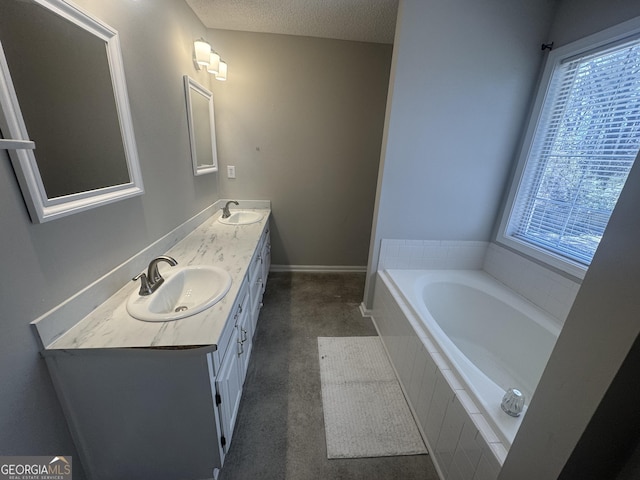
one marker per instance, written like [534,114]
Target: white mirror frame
[41,208]
[191,86]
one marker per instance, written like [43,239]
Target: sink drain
[181,308]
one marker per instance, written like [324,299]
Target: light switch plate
[231,171]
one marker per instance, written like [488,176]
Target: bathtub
[492,338]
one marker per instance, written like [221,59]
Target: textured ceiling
[358,20]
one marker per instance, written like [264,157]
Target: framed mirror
[202,130]
[62,87]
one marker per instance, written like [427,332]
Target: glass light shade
[203,51]
[222,74]
[214,63]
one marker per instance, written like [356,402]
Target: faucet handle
[145,288]
[513,402]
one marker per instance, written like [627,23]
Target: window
[579,150]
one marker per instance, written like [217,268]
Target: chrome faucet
[225,210]
[150,281]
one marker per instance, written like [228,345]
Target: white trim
[556,56]
[365,312]
[574,269]
[319,268]
[190,85]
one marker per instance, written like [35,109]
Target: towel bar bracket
[17,144]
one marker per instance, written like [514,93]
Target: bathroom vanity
[160,399]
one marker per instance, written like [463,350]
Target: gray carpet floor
[279,432]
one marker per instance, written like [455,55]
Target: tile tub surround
[545,288]
[431,254]
[462,443]
[212,243]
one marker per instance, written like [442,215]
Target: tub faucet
[225,210]
[513,402]
[150,281]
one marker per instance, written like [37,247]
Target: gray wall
[461,82]
[42,265]
[301,119]
[603,323]
[576,19]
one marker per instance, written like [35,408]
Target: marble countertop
[212,243]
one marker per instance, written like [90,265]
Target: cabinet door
[256,302]
[245,333]
[260,279]
[256,288]
[229,387]
[266,258]
[230,326]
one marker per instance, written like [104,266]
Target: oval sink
[241,217]
[185,292]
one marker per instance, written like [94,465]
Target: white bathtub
[493,338]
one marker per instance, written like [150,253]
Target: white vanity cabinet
[141,412]
[266,256]
[231,359]
[228,378]
[258,275]
[245,338]
[163,412]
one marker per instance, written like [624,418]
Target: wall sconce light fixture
[222,73]
[213,66]
[205,57]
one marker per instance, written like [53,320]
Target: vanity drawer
[256,264]
[255,276]
[266,259]
[258,260]
[227,331]
[265,236]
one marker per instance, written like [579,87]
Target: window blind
[586,140]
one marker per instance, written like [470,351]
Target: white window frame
[555,58]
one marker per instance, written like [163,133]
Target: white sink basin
[241,217]
[185,292]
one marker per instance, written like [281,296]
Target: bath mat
[365,412]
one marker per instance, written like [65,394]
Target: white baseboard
[364,311]
[319,268]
